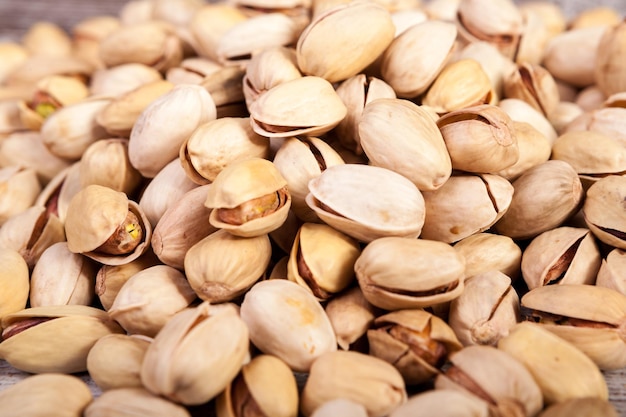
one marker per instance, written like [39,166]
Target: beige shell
[326,47]
[397,273]
[367,202]
[609,66]
[495,65]
[36,67]
[209,24]
[59,340]
[443,403]
[20,189]
[564,255]
[341,407]
[533,84]
[488,251]
[286,109]
[87,34]
[14,281]
[13,54]
[402,137]
[192,70]
[580,406]
[612,269]
[520,111]
[237,190]
[135,400]
[351,315]
[604,210]
[533,149]
[605,120]
[47,38]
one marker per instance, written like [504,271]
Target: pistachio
[609,65]
[47,38]
[484,252]
[210,23]
[14,280]
[444,403]
[351,315]
[520,111]
[611,273]
[340,406]
[605,120]
[20,188]
[88,33]
[267,69]
[533,84]
[603,210]
[533,149]
[580,407]
[133,401]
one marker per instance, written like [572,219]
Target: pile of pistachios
[315,208]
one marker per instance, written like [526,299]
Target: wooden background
[17,15]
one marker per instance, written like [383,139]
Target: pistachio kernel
[125,238]
[253,209]
[22,325]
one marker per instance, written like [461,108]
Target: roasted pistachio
[604,210]
[484,252]
[14,280]
[444,403]
[351,315]
[126,402]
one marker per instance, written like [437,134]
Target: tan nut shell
[487,251]
[533,149]
[609,66]
[604,210]
[351,315]
[533,84]
[58,193]
[340,407]
[612,271]
[14,281]
[588,406]
[20,189]
[133,401]
[443,403]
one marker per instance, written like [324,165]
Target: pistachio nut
[126,402]
[265,386]
[269,118]
[485,252]
[589,98]
[296,328]
[13,54]
[609,64]
[536,33]
[533,149]
[53,338]
[380,390]
[226,88]
[444,403]
[564,114]
[10,115]
[191,70]
[62,277]
[35,67]
[87,34]
[520,111]
[533,84]
[341,407]
[402,137]
[20,188]
[494,377]
[397,273]
[57,194]
[150,298]
[326,47]
[563,374]
[47,38]
[486,196]
[606,120]
[367,202]
[611,273]
[122,79]
[480,139]
[14,280]
[486,309]
[564,255]
[495,65]
[210,23]
[196,342]
[38,394]
[414,341]
[351,315]
[580,407]
[535,210]
[603,210]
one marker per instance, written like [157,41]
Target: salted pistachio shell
[536,33]
[36,395]
[20,189]
[126,402]
[62,277]
[414,341]
[397,273]
[340,406]
[444,403]
[381,388]
[115,360]
[484,252]
[533,84]
[150,298]
[322,260]
[296,328]
[479,139]
[268,68]
[609,66]
[199,341]
[326,51]
[589,406]
[486,309]
[533,149]
[495,377]
[351,315]
[402,137]
[14,280]
[266,385]
[564,374]
[487,196]
[58,339]
[589,317]
[611,273]
[414,59]
[218,143]
[269,117]
[520,111]
[603,210]
[367,202]
[564,255]
[249,198]
[535,210]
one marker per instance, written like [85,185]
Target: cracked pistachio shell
[609,121]
[612,273]
[115,360]
[609,65]
[484,252]
[135,401]
[36,395]
[486,196]
[416,57]
[322,260]
[533,149]
[218,143]
[58,340]
[592,318]
[192,70]
[249,198]
[303,106]
[95,214]
[62,277]
[533,84]
[326,47]
[14,281]
[196,342]
[396,273]
[580,407]
[443,403]
[183,225]
[265,385]
[380,389]
[57,194]
[414,341]
[479,139]
[495,377]
[563,374]
[486,309]
[603,210]
[565,255]
[535,35]
[286,321]
[402,137]
[367,202]
[267,69]
[460,84]
[535,209]
[20,188]
[351,315]
[215,269]
[150,298]
[340,407]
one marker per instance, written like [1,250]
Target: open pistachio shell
[535,85]
[268,68]
[14,281]
[612,271]
[604,210]
[20,189]
[58,193]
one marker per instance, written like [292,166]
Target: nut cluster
[315,207]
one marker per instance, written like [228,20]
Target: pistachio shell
[268,68]
[533,84]
[133,401]
[340,406]
[487,251]
[611,273]
[351,315]
[14,281]
[609,66]
[443,402]
[580,406]
[520,111]
[604,211]
[20,189]
[533,148]
[58,193]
